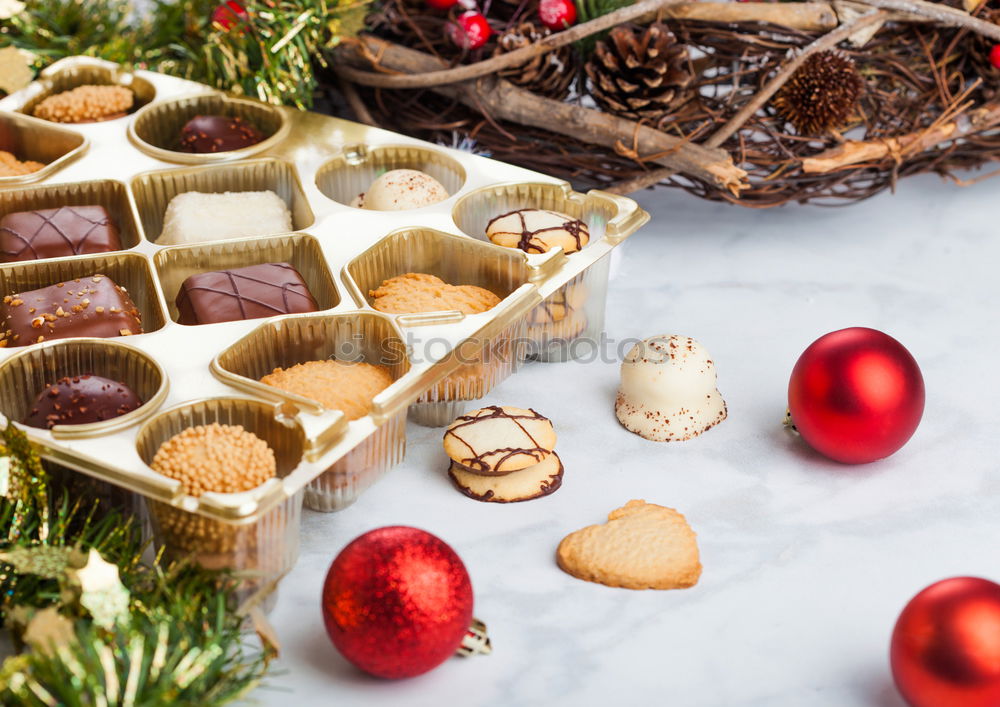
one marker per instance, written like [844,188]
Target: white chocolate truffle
[668,390]
[401,189]
[194,217]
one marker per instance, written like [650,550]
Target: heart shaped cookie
[642,546]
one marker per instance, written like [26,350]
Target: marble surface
[807,563]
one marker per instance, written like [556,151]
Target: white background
[807,562]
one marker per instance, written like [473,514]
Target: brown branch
[855,152]
[939,13]
[827,41]
[804,16]
[503,101]
[354,101]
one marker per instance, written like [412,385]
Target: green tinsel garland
[99,626]
[272,56]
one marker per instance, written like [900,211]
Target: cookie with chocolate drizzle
[498,440]
[535,481]
[538,231]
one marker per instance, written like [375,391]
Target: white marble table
[807,563]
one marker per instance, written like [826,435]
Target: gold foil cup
[357,336]
[110,194]
[300,250]
[28,372]
[37,140]
[84,71]
[353,171]
[154,190]
[262,549]
[156,129]
[609,218]
[128,270]
[457,261]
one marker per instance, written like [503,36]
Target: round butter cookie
[533,482]
[538,231]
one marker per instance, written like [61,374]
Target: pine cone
[549,74]
[822,95]
[639,73]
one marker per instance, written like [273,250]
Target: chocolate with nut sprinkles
[87,306]
[80,400]
[55,233]
[252,292]
[218,133]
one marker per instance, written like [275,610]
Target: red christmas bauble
[470,30]
[229,14]
[945,648]
[442,4]
[856,395]
[995,56]
[557,14]
[397,602]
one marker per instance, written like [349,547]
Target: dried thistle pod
[639,72]
[550,74]
[822,95]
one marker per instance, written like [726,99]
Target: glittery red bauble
[856,395]
[995,56]
[557,14]
[229,14]
[397,602]
[470,30]
[946,645]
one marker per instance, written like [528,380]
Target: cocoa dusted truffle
[86,306]
[253,292]
[216,458]
[54,233]
[80,400]
[218,133]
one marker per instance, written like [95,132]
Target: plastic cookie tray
[199,374]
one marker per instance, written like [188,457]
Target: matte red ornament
[397,602]
[856,395]
[557,14]
[945,648]
[995,56]
[470,30]
[229,14]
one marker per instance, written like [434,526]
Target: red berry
[995,56]
[470,30]
[229,14]
[557,14]
[442,4]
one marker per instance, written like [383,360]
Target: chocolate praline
[253,292]
[218,133]
[79,400]
[55,233]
